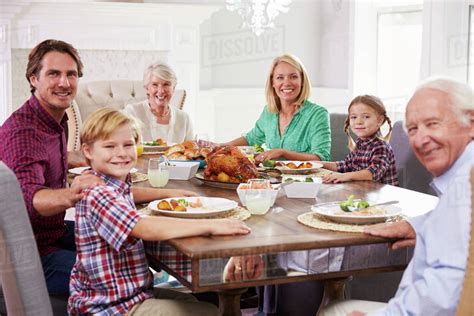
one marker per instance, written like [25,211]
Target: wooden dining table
[286,250]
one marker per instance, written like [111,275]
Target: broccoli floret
[183,202]
[288,179]
[345,204]
[363,204]
[269,163]
[308,179]
[258,148]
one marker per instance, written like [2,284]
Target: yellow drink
[158,178]
[140,149]
[259,206]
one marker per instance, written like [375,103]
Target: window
[399,38]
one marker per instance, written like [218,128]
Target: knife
[376,204]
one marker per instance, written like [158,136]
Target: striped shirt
[374,155]
[34,146]
[111,272]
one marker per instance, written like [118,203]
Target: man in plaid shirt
[111,273]
[33,144]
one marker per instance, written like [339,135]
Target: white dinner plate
[154,147]
[284,169]
[79,170]
[210,206]
[333,212]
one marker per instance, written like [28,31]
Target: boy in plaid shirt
[371,157]
[111,274]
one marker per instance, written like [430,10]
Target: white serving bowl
[302,190]
[183,170]
[243,193]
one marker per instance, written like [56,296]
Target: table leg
[229,301]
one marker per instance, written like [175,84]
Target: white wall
[315,31]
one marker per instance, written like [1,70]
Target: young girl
[111,275]
[371,157]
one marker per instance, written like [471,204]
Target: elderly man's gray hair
[460,94]
[160,70]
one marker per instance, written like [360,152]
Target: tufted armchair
[114,93]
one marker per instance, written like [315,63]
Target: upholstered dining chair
[113,93]
[21,273]
[466,302]
[411,173]
[339,149]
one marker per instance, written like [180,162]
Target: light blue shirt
[432,282]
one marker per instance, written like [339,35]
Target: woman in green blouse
[292,127]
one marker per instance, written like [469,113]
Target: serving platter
[333,212]
[210,206]
[216,184]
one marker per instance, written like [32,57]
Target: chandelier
[258,15]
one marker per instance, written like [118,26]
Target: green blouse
[308,131]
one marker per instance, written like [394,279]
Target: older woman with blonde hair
[158,118]
[291,126]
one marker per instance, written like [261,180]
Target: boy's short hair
[103,122]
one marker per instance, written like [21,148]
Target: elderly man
[440,127]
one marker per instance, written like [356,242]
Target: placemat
[139,177]
[312,219]
[237,213]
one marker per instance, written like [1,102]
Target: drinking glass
[202,139]
[140,149]
[258,201]
[158,173]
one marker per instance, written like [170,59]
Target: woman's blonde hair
[273,101]
[377,105]
[160,70]
[103,122]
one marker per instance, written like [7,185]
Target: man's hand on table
[355,313]
[243,268]
[400,230]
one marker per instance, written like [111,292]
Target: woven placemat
[139,177]
[237,213]
[314,220]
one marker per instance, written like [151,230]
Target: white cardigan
[177,131]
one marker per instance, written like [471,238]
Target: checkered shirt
[34,146]
[111,272]
[374,155]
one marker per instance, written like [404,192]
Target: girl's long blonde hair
[377,105]
[273,101]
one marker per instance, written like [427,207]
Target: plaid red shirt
[34,146]
[374,155]
[111,272]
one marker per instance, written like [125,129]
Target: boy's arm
[142,194]
[163,228]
